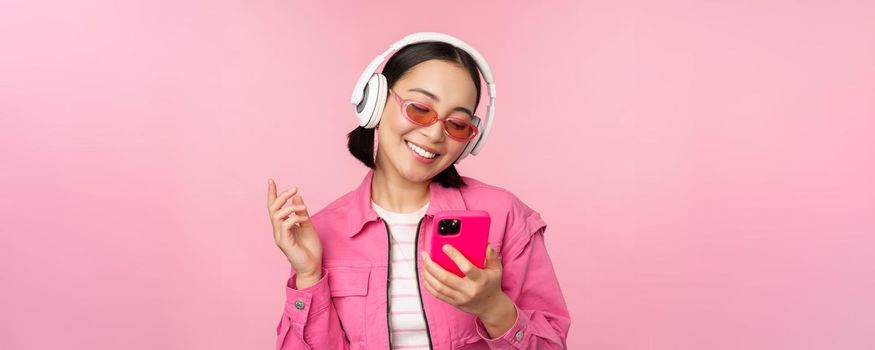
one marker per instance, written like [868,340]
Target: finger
[436,294]
[298,201]
[462,262]
[283,197]
[442,275]
[287,223]
[281,214]
[279,234]
[271,192]
[440,290]
[492,260]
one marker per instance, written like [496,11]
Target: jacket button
[519,336]
[299,304]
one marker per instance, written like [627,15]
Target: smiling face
[450,87]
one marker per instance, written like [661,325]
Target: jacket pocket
[349,293]
[348,280]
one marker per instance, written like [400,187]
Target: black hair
[361,140]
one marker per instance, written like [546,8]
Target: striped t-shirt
[406,322]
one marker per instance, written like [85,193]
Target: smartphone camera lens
[449,226]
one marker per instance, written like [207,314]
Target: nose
[434,132]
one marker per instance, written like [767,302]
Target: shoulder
[335,211]
[512,218]
[481,194]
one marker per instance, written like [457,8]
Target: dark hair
[361,140]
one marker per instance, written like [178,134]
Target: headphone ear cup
[468,147]
[471,145]
[382,93]
[369,110]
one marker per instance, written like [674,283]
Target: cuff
[515,337]
[303,303]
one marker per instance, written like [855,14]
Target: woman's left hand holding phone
[478,293]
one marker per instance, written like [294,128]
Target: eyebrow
[436,99]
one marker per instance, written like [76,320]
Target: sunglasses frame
[406,102]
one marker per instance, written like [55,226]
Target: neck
[393,192]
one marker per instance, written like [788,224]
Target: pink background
[706,168]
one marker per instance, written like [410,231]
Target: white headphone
[369,95]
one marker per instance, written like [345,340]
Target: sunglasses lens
[421,114]
[458,128]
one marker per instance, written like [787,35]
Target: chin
[415,173]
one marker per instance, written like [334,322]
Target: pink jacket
[347,308]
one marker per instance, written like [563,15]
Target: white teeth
[420,151]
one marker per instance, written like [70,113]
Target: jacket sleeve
[309,320]
[529,280]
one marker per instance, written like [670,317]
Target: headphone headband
[368,108]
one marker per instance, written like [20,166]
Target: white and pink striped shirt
[406,321]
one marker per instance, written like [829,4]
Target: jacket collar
[440,198]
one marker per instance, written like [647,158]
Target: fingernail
[446,248]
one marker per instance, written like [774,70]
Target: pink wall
[707,169]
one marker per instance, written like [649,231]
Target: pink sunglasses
[423,115]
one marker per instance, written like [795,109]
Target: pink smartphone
[466,230]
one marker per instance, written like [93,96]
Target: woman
[359,284]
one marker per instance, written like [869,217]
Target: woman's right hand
[295,234]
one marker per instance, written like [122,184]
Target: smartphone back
[466,230]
